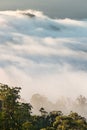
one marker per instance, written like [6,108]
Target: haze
[43,55]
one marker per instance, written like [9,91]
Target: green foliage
[48,128]
[27,126]
[70,122]
[15,115]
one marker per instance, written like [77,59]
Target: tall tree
[13,113]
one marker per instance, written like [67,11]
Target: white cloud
[43,55]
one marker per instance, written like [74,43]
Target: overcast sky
[54,8]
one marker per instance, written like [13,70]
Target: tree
[70,122]
[9,100]
[13,113]
[82,100]
[43,112]
[53,115]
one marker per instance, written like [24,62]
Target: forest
[17,115]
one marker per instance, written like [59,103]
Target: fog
[66,105]
[43,55]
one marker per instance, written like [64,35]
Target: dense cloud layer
[43,55]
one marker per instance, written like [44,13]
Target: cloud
[43,55]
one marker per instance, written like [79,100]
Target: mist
[45,56]
[64,104]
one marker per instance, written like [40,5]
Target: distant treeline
[17,115]
[65,104]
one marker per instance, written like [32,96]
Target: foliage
[13,113]
[16,115]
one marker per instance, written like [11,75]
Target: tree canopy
[16,115]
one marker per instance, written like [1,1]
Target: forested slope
[17,115]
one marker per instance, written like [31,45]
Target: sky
[54,8]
